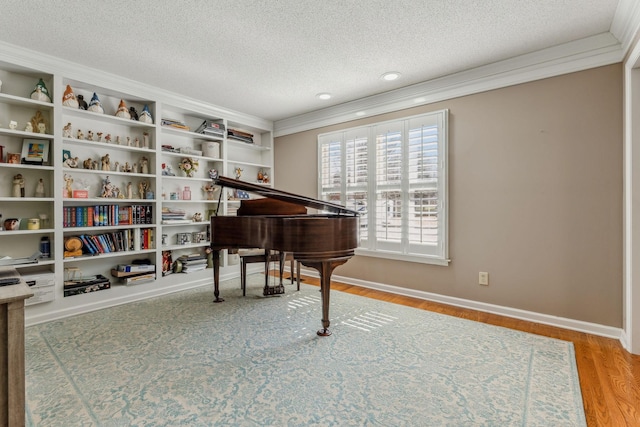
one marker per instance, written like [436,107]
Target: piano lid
[284,196]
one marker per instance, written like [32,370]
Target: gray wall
[535,197]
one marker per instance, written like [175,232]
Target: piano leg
[325,269]
[216,276]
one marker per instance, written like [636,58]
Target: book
[136,268]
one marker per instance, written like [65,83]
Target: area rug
[181,360]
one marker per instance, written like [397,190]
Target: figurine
[128,141]
[145,115]
[18,186]
[70,162]
[40,188]
[107,188]
[238,172]
[68,180]
[94,104]
[13,125]
[69,98]
[213,174]
[28,127]
[79,134]
[129,191]
[107,138]
[87,163]
[136,142]
[66,131]
[197,217]
[210,190]
[99,134]
[82,104]
[143,186]
[144,165]
[37,122]
[40,93]
[118,139]
[145,139]
[133,113]
[89,135]
[122,111]
[106,163]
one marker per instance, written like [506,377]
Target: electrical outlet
[483,278]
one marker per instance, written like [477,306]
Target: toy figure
[66,131]
[122,111]
[40,93]
[95,105]
[69,98]
[82,104]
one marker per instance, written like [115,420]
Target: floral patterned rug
[181,360]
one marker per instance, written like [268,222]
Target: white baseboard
[546,319]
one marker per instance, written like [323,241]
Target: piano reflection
[279,221]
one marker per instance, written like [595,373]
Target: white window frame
[402,249]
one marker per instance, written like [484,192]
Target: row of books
[211,127]
[172,123]
[240,135]
[106,215]
[118,241]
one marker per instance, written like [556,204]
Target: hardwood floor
[609,375]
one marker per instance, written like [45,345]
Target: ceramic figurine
[18,186]
[122,111]
[79,134]
[40,188]
[68,181]
[145,115]
[144,165]
[99,134]
[40,93]
[28,127]
[87,163]
[136,142]
[133,113]
[106,163]
[69,98]
[82,104]
[66,131]
[107,188]
[107,138]
[89,135]
[94,104]
[13,125]
[37,122]
[145,139]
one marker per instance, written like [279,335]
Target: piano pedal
[273,290]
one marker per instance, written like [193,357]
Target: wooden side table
[12,366]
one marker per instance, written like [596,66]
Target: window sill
[422,259]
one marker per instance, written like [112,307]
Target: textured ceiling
[270,58]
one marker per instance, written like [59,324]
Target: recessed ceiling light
[323,95]
[391,75]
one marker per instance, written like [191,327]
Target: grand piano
[279,221]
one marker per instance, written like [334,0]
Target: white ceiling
[270,58]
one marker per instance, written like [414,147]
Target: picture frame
[13,158]
[35,151]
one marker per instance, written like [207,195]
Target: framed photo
[35,151]
[13,158]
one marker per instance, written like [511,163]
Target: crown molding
[32,60]
[626,22]
[590,52]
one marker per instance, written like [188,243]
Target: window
[394,174]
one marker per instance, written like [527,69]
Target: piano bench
[248,256]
